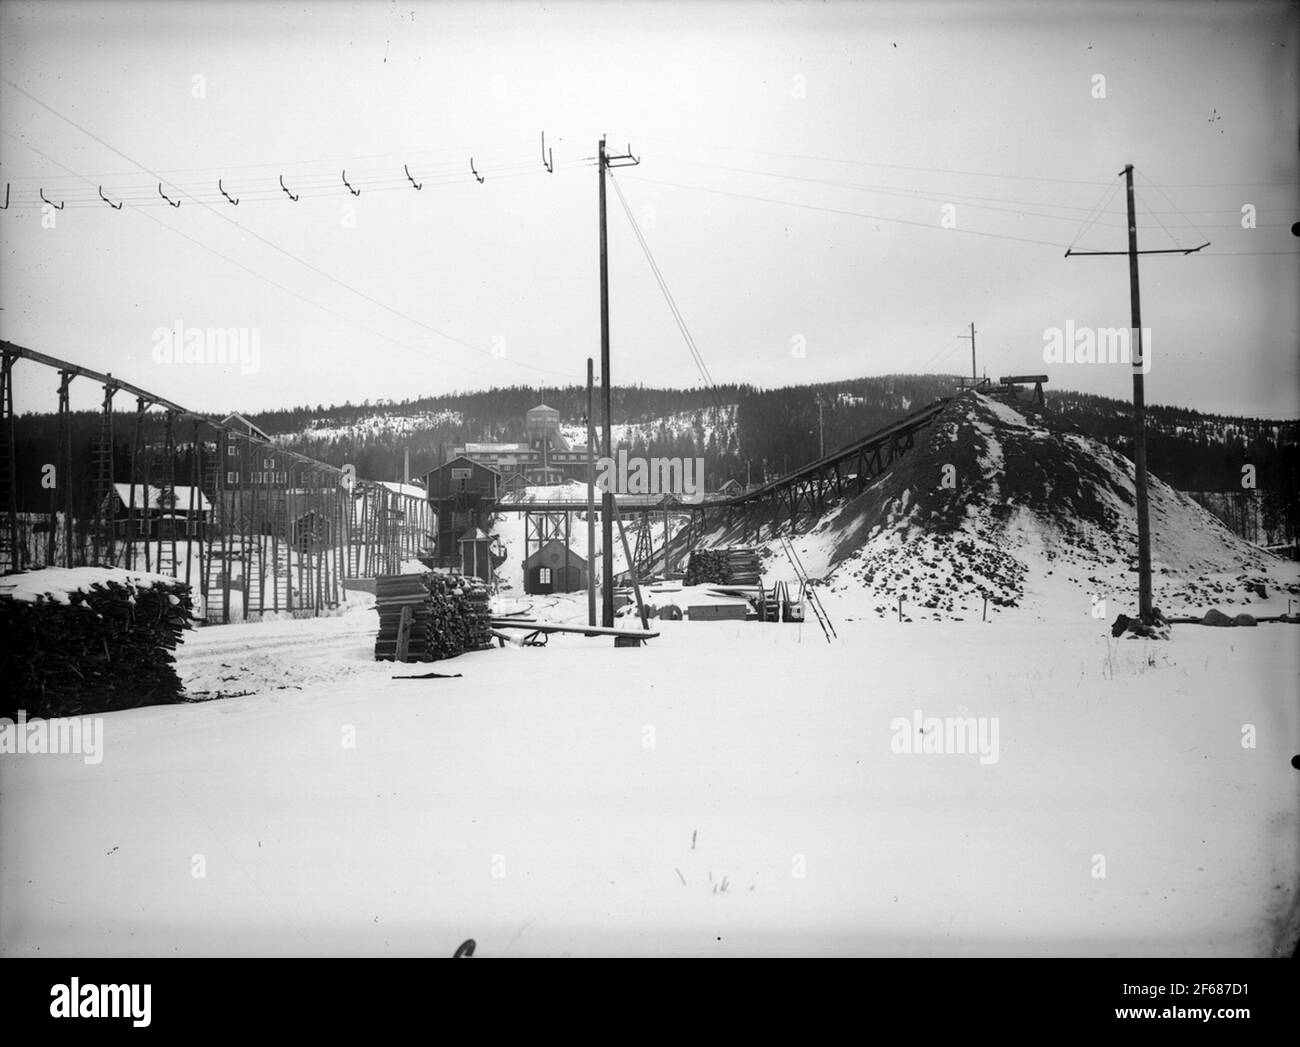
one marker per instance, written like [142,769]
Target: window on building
[231,450]
[544,575]
[232,478]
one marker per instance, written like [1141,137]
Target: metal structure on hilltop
[800,494]
[252,527]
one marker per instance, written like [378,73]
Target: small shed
[554,568]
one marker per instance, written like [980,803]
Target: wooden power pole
[591,503]
[607,497]
[1139,393]
[973,377]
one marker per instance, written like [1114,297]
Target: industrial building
[461,493]
[545,457]
[554,568]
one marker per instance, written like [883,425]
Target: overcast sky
[798,162]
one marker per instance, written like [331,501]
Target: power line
[711,146]
[412,155]
[1018,207]
[1174,206]
[941,355]
[288,254]
[910,194]
[315,184]
[1139,202]
[852,214]
[668,297]
[267,279]
[870,163]
[89,199]
[1099,208]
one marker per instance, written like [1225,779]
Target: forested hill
[759,433]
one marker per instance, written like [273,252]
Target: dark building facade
[461,494]
[554,568]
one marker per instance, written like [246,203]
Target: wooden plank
[404,635]
[585,630]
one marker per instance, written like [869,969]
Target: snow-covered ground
[730,788]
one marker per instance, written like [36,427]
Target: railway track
[807,592]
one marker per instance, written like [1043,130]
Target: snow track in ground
[255,657]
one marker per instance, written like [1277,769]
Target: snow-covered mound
[59,583]
[1008,503]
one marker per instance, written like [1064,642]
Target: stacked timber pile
[731,566]
[468,623]
[448,616]
[89,640]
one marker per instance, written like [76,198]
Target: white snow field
[729,789]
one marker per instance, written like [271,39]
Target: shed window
[544,575]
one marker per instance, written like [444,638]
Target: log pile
[449,616]
[731,566]
[105,648]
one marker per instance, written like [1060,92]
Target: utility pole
[604,161]
[1139,393]
[591,503]
[821,432]
[974,377]
[1139,410]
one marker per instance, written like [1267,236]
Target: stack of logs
[107,647]
[448,614]
[732,566]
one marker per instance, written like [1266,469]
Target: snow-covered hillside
[701,425]
[369,427]
[999,503]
